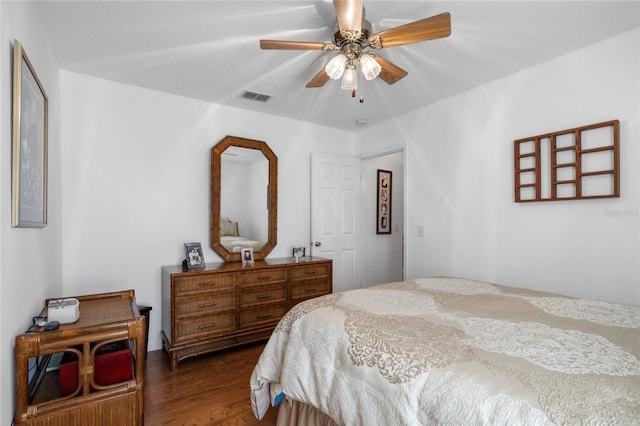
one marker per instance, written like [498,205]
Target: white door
[336,216]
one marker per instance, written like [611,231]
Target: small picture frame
[194,257]
[247,256]
[299,252]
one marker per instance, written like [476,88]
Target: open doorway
[383,254]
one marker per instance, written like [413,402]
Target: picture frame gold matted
[383,214]
[29,187]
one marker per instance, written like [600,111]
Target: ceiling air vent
[254,96]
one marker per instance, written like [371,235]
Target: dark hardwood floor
[212,389]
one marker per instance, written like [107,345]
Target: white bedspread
[235,244]
[457,352]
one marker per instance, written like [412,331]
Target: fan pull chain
[362,80]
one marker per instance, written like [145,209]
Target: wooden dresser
[226,305]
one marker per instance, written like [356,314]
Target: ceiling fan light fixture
[369,66]
[335,67]
[353,34]
[350,78]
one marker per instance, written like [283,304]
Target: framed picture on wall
[383,214]
[30,139]
[194,257]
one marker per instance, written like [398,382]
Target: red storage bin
[113,364]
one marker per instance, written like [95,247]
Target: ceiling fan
[353,35]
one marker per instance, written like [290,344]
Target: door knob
[317,244]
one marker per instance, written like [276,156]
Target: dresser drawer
[263,294]
[306,290]
[310,271]
[205,304]
[204,282]
[262,316]
[210,324]
[262,276]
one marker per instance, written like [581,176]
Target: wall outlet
[420,230]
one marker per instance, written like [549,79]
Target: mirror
[244,198]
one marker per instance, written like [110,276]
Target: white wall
[136,182]
[30,258]
[235,180]
[257,191]
[244,194]
[460,179]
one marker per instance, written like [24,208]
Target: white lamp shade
[335,67]
[370,67]
[349,79]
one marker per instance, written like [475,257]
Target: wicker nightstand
[104,318]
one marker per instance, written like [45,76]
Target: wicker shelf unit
[104,319]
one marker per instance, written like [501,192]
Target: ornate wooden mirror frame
[272,197]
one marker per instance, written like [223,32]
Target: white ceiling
[209,50]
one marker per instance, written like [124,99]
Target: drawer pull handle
[310,290]
[265,316]
[209,284]
[263,297]
[207,326]
[264,277]
[204,305]
[309,272]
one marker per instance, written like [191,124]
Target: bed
[451,351]
[230,237]
[235,244]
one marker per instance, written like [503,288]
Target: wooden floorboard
[212,389]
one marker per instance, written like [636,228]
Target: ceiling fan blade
[349,14]
[437,26]
[296,45]
[319,80]
[390,72]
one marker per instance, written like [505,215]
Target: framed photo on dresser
[194,257]
[247,256]
[299,252]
